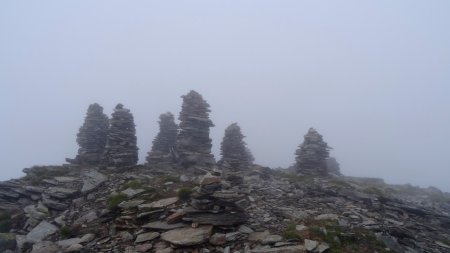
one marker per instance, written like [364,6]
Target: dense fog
[372,78]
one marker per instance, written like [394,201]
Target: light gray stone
[188,236]
[41,231]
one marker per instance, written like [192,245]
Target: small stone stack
[163,148]
[214,206]
[121,149]
[235,154]
[193,142]
[92,137]
[312,155]
[333,166]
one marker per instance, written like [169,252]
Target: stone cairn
[92,137]
[163,149]
[193,142]
[213,205]
[312,155]
[121,149]
[333,166]
[236,157]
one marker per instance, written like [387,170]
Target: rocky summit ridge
[88,209]
[181,200]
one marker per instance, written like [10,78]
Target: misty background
[372,77]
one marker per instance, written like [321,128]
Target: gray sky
[371,76]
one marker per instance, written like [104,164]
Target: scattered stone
[310,245]
[87,238]
[300,227]
[327,216]
[146,237]
[161,225]
[144,247]
[322,247]
[130,204]
[7,241]
[68,242]
[187,236]
[162,203]
[89,217]
[41,231]
[91,180]
[271,239]
[218,239]
[289,249]
[45,247]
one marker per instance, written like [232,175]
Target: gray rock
[301,227]
[310,244]
[87,238]
[130,204]
[244,229]
[218,239]
[68,242]
[327,216]
[162,203]
[162,225]
[45,247]
[271,239]
[188,236]
[89,217]
[91,180]
[73,248]
[322,247]
[7,241]
[41,231]
[289,249]
[130,192]
[146,237]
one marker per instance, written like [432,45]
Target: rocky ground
[135,209]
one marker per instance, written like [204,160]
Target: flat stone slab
[41,231]
[162,225]
[131,203]
[65,179]
[289,249]
[219,219]
[146,237]
[187,236]
[162,203]
[92,180]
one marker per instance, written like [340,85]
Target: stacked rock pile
[163,148]
[121,149]
[193,142]
[213,205]
[236,157]
[312,154]
[92,137]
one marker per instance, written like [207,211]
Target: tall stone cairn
[91,137]
[312,155]
[235,154]
[163,149]
[193,142]
[121,149]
